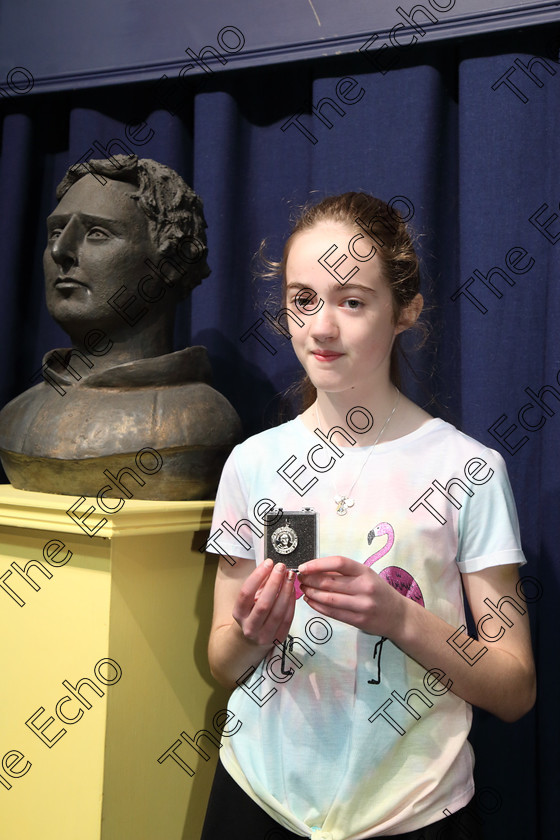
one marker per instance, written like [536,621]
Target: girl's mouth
[326,355]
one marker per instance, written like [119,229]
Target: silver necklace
[343,503]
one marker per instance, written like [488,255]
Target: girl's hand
[343,589]
[265,606]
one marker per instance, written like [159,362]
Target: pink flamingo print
[398,578]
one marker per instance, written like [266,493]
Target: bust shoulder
[50,441]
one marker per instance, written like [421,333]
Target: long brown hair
[392,243]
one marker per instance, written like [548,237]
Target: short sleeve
[488,530]
[231,515]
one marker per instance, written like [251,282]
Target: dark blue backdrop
[468,132]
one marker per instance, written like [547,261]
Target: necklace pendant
[342,504]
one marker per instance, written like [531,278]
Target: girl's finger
[254,583]
[282,613]
[273,608]
[342,565]
[327,582]
[269,590]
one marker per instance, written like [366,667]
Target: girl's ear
[409,314]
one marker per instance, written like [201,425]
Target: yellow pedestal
[127,614]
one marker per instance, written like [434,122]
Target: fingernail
[268,562]
[279,567]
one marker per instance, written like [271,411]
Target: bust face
[98,241]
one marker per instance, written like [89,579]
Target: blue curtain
[467,135]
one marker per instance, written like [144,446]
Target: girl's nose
[323,324]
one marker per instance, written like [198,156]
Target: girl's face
[346,343]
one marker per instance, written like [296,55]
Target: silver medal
[284,540]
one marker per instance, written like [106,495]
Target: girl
[354,681]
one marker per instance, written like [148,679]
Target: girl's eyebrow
[334,288]
[355,286]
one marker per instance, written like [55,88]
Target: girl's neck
[395,414]
[362,416]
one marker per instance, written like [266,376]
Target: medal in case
[290,536]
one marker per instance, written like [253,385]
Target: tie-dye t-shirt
[345,736]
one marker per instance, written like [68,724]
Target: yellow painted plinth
[128,614]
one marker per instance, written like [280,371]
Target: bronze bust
[125,244]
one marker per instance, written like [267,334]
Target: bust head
[126,242]
[128,235]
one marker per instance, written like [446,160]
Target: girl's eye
[54,234]
[353,304]
[303,299]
